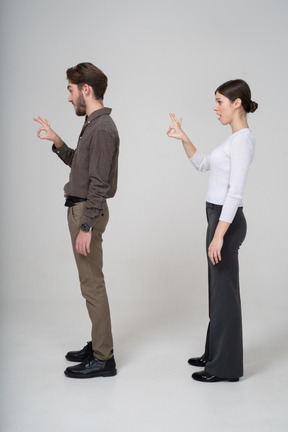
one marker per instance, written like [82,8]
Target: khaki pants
[92,280]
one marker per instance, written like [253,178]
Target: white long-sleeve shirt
[228,165]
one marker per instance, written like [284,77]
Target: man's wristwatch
[86,228]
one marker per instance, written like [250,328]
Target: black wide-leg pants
[224,346]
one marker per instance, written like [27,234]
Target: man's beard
[80,106]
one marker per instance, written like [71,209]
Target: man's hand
[49,134]
[83,241]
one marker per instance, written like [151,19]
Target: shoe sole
[217,380]
[94,375]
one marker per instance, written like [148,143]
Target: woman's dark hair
[87,73]
[235,89]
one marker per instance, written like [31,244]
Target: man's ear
[86,89]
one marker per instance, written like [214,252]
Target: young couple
[93,179]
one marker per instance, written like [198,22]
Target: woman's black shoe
[197,361]
[205,377]
[79,356]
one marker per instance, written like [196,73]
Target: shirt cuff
[60,150]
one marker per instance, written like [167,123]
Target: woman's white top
[228,165]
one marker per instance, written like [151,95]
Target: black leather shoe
[92,367]
[197,361]
[205,377]
[79,356]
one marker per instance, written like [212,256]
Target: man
[93,179]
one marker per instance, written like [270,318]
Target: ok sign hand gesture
[175,130]
[49,134]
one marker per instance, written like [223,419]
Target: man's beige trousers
[92,280]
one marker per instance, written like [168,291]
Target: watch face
[85,227]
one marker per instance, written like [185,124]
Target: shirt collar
[98,113]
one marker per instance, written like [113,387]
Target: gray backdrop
[160,56]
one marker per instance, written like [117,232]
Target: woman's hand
[214,250]
[49,134]
[215,247]
[175,131]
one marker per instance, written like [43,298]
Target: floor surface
[153,391]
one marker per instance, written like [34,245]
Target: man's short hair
[87,73]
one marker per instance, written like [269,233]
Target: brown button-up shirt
[94,163]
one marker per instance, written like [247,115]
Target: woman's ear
[237,103]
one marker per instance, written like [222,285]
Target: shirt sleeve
[200,161]
[242,152]
[103,151]
[65,153]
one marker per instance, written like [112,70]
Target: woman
[228,165]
